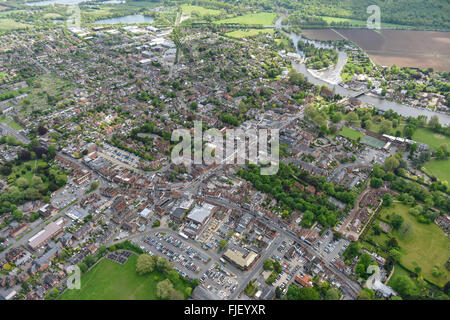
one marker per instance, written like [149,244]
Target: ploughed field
[405,48]
[321,34]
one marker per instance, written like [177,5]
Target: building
[17,231]
[177,215]
[77,214]
[304,281]
[45,235]
[242,260]
[198,218]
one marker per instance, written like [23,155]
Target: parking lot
[290,267]
[329,248]
[69,193]
[190,263]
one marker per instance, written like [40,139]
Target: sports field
[264,18]
[425,245]
[238,34]
[439,168]
[351,133]
[188,9]
[112,281]
[373,142]
[432,139]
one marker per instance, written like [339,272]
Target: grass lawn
[421,244]
[23,168]
[350,133]
[399,271]
[188,9]
[10,25]
[248,33]
[46,83]
[15,125]
[439,168]
[359,23]
[112,281]
[432,139]
[264,18]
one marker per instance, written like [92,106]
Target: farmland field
[432,139]
[188,9]
[421,244]
[321,34]
[264,18]
[359,23]
[439,168]
[248,33]
[9,25]
[350,133]
[110,280]
[405,48]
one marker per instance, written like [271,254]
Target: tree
[22,182]
[386,126]
[366,294]
[387,200]
[164,289]
[89,260]
[376,183]
[278,292]
[268,264]
[396,221]
[395,254]
[222,244]
[173,276]
[413,148]
[332,294]
[403,285]
[434,123]
[306,293]
[83,267]
[42,130]
[391,163]
[146,264]
[352,118]
[163,265]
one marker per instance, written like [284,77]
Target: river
[331,78]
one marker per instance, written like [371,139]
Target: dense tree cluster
[287,187]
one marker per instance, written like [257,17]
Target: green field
[264,18]
[359,23]
[350,133]
[439,168]
[112,281]
[22,170]
[238,34]
[421,244]
[432,139]
[188,9]
[10,25]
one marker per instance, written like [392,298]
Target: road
[15,133]
[282,230]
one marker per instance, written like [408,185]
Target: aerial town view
[231,150]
